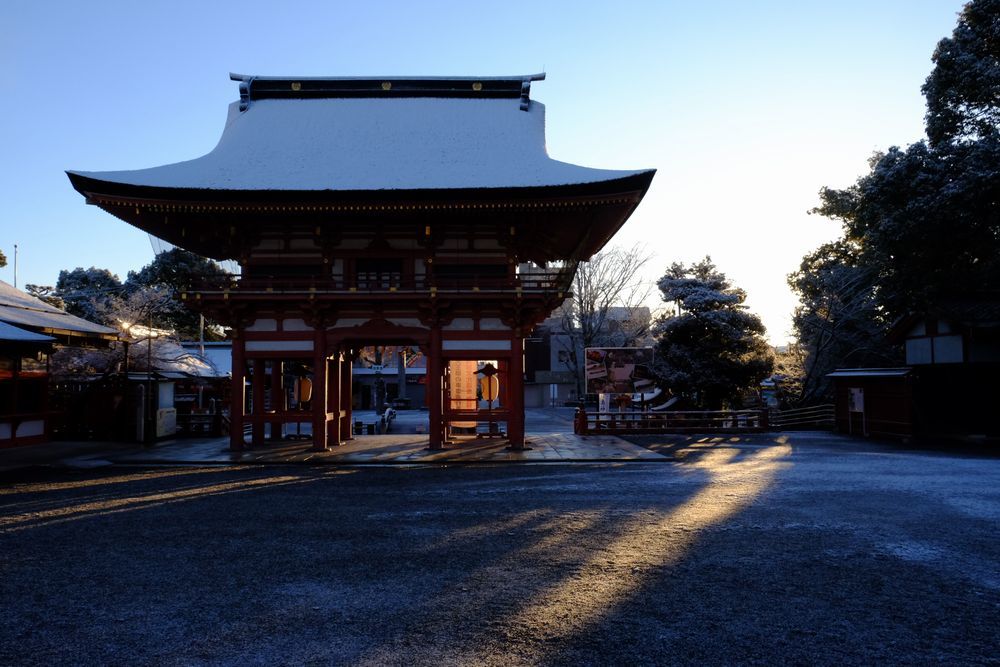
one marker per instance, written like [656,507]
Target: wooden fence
[814,417]
[687,421]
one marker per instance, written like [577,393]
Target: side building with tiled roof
[29,330]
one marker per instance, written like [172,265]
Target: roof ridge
[254,87]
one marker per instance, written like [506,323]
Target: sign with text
[855,399]
[462,385]
[619,370]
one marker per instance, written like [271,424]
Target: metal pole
[15,266]
[151,434]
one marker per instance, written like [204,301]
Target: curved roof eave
[90,186]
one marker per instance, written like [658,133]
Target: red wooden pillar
[434,402]
[333,399]
[515,380]
[257,408]
[277,397]
[237,398]
[346,396]
[319,393]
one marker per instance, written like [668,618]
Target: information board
[619,370]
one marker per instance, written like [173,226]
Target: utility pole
[151,418]
[401,372]
[15,266]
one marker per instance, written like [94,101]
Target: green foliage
[175,271]
[963,90]
[99,296]
[46,293]
[710,349]
[924,223]
[838,323]
[89,293]
[3,259]
[923,226]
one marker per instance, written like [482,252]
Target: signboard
[619,370]
[166,422]
[462,385]
[855,400]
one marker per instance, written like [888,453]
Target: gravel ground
[795,549]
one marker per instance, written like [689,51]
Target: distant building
[550,364]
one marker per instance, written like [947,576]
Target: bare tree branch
[606,308]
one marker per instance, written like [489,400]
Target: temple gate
[411,211]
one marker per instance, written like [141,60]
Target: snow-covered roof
[869,372]
[311,139]
[8,332]
[24,310]
[171,357]
[218,355]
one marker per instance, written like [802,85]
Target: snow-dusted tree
[606,309]
[710,348]
[88,293]
[838,322]
[46,293]
[923,226]
[138,316]
[963,89]
[176,271]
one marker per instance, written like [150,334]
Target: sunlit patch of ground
[759,552]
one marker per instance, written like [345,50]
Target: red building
[400,211]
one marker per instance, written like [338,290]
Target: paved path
[399,449]
[801,549]
[550,439]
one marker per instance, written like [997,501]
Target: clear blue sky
[746,108]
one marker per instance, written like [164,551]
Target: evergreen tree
[923,226]
[89,293]
[46,293]
[175,272]
[710,349]
[963,89]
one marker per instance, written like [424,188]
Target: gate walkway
[549,436]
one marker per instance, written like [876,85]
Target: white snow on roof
[22,309]
[9,332]
[219,356]
[171,357]
[869,372]
[373,144]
